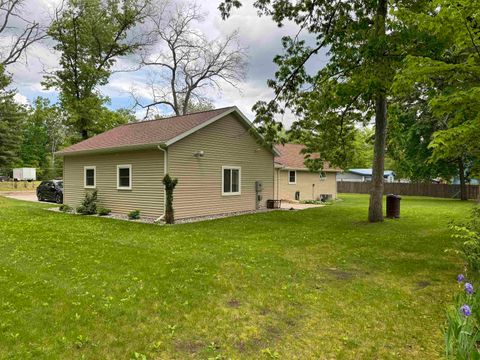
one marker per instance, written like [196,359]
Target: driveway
[20,195]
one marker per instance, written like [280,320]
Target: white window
[124,177]
[292,177]
[231,180]
[89,177]
[323,175]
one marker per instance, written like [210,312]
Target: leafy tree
[199,105]
[11,117]
[44,132]
[17,34]
[362,149]
[184,62]
[364,50]
[411,130]
[90,36]
[449,81]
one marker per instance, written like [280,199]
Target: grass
[320,283]
[18,186]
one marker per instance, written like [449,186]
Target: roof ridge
[174,116]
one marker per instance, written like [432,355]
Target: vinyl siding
[226,142]
[147,191]
[305,180]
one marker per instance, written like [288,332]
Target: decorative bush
[103,211]
[89,204]
[80,209]
[134,215]
[65,208]
[316,202]
[170,184]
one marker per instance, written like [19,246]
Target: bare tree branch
[187,61]
[22,37]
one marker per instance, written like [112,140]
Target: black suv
[51,190]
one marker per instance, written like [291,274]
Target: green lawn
[315,284]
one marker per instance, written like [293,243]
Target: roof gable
[152,133]
[291,157]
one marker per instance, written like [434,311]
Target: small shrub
[65,208]
[469,234]
[89,204]
[80,210]
[316,202]
[134,215]
[103,211]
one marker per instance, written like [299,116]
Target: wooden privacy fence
[414,189]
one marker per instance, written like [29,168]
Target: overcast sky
[260,35]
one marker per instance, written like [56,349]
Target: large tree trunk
[463,185]
[375,209]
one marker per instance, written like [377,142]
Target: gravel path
[151,220]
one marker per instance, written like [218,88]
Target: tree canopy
[364,48]
[447,83]
[90,36]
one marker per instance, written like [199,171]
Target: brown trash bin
[393,206]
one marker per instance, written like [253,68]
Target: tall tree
[11,117]
[362,45]
[184,62]
[44,131]
[451,77]
[90,36]
[16,35]
[411,130]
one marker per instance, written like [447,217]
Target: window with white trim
[124,177]
[292,177]
[89,177]
[323,175]
[231,180]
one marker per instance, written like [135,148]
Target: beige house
[294,181]
[221,163]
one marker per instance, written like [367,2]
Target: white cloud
[22,99]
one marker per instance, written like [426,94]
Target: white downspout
[165,164]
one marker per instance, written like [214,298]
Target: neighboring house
[364,175]
[294,181]
[221,163]
[470,181]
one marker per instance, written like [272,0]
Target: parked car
[4,178]
[50,190]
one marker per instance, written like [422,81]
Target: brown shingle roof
[291,157]
[151,132]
